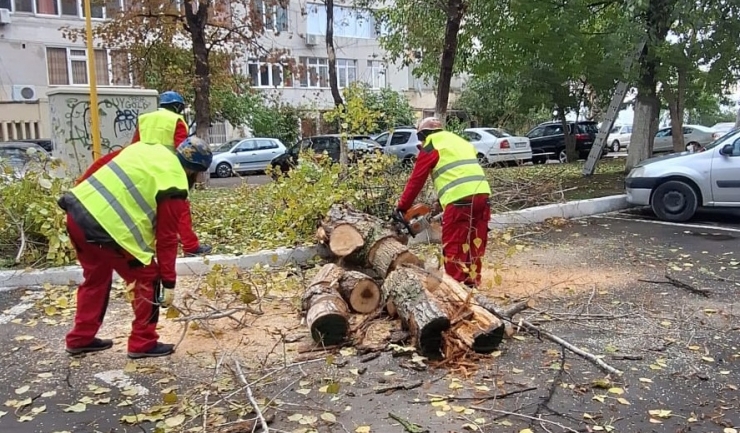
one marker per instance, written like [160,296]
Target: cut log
[390,308]
[327,315]
[351,234]
[360,292]
[478,328]
[388,254]
[421,315]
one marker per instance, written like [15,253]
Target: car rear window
[588,128]
[498,133]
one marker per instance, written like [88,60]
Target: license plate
[520,145]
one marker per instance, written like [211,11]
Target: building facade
[35,57]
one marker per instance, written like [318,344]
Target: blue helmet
[195,154]
[169,97]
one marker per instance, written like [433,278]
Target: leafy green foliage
[275,119]
[355,116]
[394,107]
[29,210]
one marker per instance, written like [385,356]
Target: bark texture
[327,315]
[360,292]
[455,13]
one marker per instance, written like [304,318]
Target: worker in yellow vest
[463,192]
[166,125]
[125,218]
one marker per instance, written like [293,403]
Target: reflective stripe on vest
[122,195]
[158,127]
[457,174]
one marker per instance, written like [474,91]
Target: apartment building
[35,57]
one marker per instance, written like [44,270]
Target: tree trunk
[196,21]
[455,12]
[360,292]
[676,108]
[327,315]
[420,313]
[657,22]
[388,254]
[569,137]
[333,82]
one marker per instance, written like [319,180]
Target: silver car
[401,142]
[245,155]
[675,185]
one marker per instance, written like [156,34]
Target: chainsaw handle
[398,216]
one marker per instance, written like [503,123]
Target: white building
[34,57]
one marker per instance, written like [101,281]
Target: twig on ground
[217,314]
[252,401]
[521,415]
[401,386]
[481,398]
[22,248]
[680,284]
[627,357]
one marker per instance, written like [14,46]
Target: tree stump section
[478,328]
[360,292]
[327,315]
[420,313]
[388,254]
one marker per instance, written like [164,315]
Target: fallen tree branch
[521,415]
[681,285]
[217,315]
[23,242]
[252,401]
[554,338]
[481,398]
[401,386]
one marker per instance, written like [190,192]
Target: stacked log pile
[373,272]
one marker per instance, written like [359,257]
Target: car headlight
[637,172]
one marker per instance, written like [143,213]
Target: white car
[675,185]
[619,137]
[495,146]
[723,128]
[694,137]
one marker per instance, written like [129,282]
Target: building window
[101,9]
[120,69]
[274,16]
[265,74]
[315,72]
[377,74]
[23,6]
[346,72]
[68,66]
[349,22]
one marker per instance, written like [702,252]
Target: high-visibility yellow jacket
[457,174]
[121,197]
[158,127]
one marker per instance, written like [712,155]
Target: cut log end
[345,239]
[488,342]
[366,297]
[430,337]
[330,329]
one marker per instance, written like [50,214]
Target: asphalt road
[34,366]
[231,182]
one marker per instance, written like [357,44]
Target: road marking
[14,311]
[119,379]
[667,223]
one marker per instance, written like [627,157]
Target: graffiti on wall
[72,124]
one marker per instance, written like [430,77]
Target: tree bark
[327,315]
[676,109]
[420,313]
[455,12]
[360,292]
[569,137]
[333,82]
[645,126]
[196,24]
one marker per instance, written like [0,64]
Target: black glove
[202,249]
[398,215]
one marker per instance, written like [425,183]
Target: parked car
[358,146]
[619,137]
[694,136]
[675,185]
[723,128]
[245,155]
[496,146]
[401,142]
[18,156]
[548,140]
[43,142]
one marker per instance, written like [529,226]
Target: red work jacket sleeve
[169,214]
[97,164]
[187,236]
[136,137]
[424,165]
[181,133]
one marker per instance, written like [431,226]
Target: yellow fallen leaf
[22,390]
[646,380]
[623,401]
[618,391]
[303,391]
[693,347]
[441,413]
[328,417]
[660,413]
[76,408]
[458,409]
[729,430]
[707,359]
[175,420]
[526,430]
[516,370]
[363,429]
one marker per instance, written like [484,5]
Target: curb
[567,210]
[185,266]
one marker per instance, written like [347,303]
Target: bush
[32,225]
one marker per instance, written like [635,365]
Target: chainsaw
[415,220]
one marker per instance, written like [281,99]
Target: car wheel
[674,201]
[223,170]
[693,146]
[615,146]
[482,160]
[539,159]
[563,157]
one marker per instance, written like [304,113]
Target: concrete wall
[69,109]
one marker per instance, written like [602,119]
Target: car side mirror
[727,150]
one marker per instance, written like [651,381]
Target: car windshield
[498,133]
[226,146]
[15,157]
[588,128]
[718,141]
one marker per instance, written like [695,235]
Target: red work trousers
[98,263]
[464,238]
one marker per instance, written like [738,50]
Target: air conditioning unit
[311,40]
[24,93]
[5,16]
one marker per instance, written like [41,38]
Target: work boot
[161,349]
[202,249]
[96,345]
